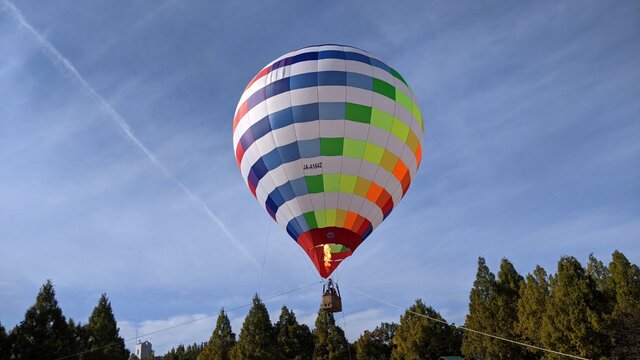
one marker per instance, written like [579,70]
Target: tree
[376,344]
[623,284]
[221,342]
[294,340]
[570,322]
[534,294]
[5,346]
[504,307]
[103,334]
[191,352]
[418,337]
[330,342]
[257,336]
[480,315]
[44,332]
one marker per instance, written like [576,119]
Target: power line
[187,322]
[463,327]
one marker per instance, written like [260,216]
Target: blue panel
[360,81]
[299,186]
[304,113]
[247,139]
[293,230]
[286,190]
[259,168]
[277,198]
[337,78]
[331,54]
[257,97]
[277,87]
[303,81]
[309,148]
[271,207]
[332,110]
[289,152]
[272,159]
[280,119]
[379,64]
[253,179]
[357,57]
[261,128]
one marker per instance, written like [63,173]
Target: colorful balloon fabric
[328,139]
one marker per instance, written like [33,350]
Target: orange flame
[327,256]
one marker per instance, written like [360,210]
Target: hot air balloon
[328,139]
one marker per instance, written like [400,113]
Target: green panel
[321,218]
[314,183]
[310,217]
[398,76]
[331,182]
[347,183]
[354,148]
[416,113]
[381,119]
[404,100]
[400,129]
[331,217]
[384,88]
[359,113]
[373,153]
[331,146]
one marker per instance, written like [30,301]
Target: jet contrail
[64,64]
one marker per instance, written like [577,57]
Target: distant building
[144,350]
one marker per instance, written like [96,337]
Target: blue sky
[532,152]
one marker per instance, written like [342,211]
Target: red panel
[312,242]
[242,110]
[239,153]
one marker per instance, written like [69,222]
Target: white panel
[317,201]
[311,171]
[304,96]
[304,67]
[332,93]
[294,169]
[331,200]
[383,75]
[284,136]
[382,177]
[331,164]
[332,128]
[358,67]
[395,145]
[384,103]
[351,166]
[378,136]
[368,170]
[258,84]
[278,102]
[307,130]
[343,201]
[242,126]
[356,130]
[359,96]
[331,47]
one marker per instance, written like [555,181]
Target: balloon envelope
[328,139]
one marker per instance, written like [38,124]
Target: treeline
[592,312]
[46,334]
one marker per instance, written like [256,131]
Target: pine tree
[534,294]
[103,334]
[221,342]
[623,283]
[44,332]
[480,316]
[330,341]
[570,322]
[294,340]
[420,338]
[504,304]
[257,336]
[376,344]
[4,343]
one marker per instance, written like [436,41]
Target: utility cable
[187,322]
[463,327]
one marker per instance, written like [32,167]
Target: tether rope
[463,327]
